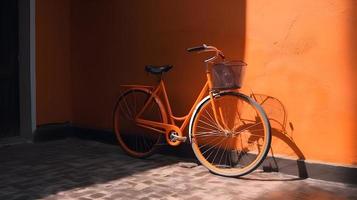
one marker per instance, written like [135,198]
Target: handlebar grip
[198,48]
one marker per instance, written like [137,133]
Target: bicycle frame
[165,128]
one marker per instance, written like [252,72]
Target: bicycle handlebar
[198,48]
[206,48]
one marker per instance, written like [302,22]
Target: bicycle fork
[218,114]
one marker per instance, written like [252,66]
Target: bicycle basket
[228,74]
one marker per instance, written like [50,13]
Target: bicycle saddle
[157,69]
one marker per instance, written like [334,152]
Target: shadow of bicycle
[284,155]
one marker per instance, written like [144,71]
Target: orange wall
[302,53]
[53,60]
[113,40]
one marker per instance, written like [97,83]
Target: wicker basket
[227,75]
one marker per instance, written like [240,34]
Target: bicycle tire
[149,140]
[201,141]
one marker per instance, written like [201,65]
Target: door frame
[27,68]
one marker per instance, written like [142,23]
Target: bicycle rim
[136,141]
[241,144]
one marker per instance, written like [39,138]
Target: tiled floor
[77,169]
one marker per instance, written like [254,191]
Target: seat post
[159,77]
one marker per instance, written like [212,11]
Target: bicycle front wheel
[235,141]
[135,140]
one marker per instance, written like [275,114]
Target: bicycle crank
[174,137]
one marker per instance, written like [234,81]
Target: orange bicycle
[229,132]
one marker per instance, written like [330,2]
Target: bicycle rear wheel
[242,140]
[135,140]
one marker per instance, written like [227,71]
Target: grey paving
[77,169]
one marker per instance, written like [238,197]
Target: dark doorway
[9,69]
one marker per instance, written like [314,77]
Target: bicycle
[229,132]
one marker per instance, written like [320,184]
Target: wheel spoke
[209,124]
[206,128]
[217,152]
[209,143]
[125,113]
[247,128]
[213,146]
[209,133]
[210,118]
[225,147]
[129,110]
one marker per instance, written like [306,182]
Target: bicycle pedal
[179,138]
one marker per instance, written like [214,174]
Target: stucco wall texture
[304,54]
[301,59]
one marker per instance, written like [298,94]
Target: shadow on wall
[282,137]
